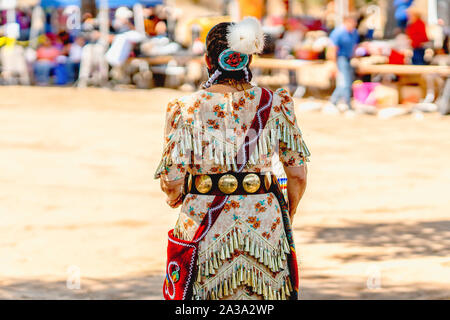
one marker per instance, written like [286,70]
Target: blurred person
[46,56]
[400,49]
[170,18]
[400,14]
[160,44]
[330,15]
[228,203]
[123,41]
[88,23]
[197,47]
[74,58]
[90,29]
[13,64]
[122,21]
[161,29]
[344,40]
[166,14]
[93,65]
[416,31]
[446,42]
[286,48]
[289,41]
[161,12]
[64,37]
[150,21]
[24,20]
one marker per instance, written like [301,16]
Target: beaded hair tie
[231,60]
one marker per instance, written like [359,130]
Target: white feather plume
[246,36]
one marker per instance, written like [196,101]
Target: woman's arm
[296,185]
[173,190]
[170,172]
[291,156]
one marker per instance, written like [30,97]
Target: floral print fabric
[228,115]
[249,229]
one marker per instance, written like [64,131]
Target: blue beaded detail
[231,60]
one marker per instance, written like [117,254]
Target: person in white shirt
[74,58]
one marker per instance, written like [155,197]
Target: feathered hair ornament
[244,39]
[246,36]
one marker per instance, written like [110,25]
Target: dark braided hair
[216,42]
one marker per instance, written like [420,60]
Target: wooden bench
[424,76]
[403,69]
[288,64]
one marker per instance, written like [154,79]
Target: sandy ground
[77,196]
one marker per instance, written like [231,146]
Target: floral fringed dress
[243,256]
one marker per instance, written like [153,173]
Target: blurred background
[84,86]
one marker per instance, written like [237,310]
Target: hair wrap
[212,79]
[247,79]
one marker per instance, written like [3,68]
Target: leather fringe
[190,143]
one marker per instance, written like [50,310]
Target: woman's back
[233,238]
[205,129]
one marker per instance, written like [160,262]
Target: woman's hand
[173,190]
[175,203]
[296,186]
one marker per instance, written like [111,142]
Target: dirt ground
[77,196]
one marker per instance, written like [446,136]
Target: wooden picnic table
[155,60]
[422,75]
[403,70]
[289,64]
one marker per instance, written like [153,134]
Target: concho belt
[230,183]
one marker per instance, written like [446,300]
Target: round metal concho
[267,180]
[203,183]
[251,183]
[228,183]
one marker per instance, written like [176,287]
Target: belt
[230,183]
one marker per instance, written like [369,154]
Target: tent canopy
[111,3]
[129,3]
[60,3]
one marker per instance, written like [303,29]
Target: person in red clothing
[46,56]
[416,31]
